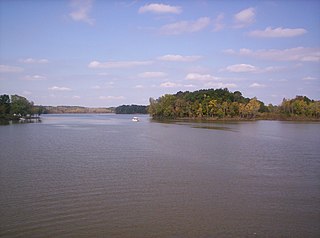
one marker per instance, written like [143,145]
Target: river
[102,175]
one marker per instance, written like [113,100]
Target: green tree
[234,109]
[167,103]
[163,107]
[20,106]
[181,108]
[38,110]
[225,108]
[242,110]
[213,107]
[152,107]
[315,109]
[300,107]
[4,105]
[252,107]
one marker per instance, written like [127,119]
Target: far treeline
[131,109]
[75,109]
[15,107]
[223,104]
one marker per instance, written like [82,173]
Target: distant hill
[131,109]
[75,109]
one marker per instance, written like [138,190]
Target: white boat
[135,119]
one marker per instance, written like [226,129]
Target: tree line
[223,104]
[300,106]
[15,107]
[131,109]
[75,109]
[205,103]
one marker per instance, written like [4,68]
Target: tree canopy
[221,103]
[16,106]
[131,109]
[300,106]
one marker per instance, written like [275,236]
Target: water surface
[102,175]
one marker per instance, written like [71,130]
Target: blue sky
[108,53]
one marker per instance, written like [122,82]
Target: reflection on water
[223,128]
[102,175]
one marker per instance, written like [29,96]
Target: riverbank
[75,109]
[19,119]
[267,117]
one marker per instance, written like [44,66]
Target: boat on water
[135,119]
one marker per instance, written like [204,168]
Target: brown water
[106,176]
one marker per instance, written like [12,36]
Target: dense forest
[131,109]
[223,104]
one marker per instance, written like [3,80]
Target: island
[221,104]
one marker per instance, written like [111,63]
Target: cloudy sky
[108,53]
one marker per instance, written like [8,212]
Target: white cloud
[218,24]
[80,11]
[111,97]
[293,54]
[10,69]
[160,8]
[230,51]
[43,61]
[210,80]
[309,78]
[257,85]
[169,85]
[179,58]
[272,69]
[200,77]
[34,77]
[103,74]
[278,80]
[220,85]
[96,87]
[152,75]
[34,61]
[244,18]
[76,97]
[106,85]
[139,86]
[56,88]
[278,32]
[181,27]
[247,68]
[241,68]
[117,64]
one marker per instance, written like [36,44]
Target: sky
[100,53]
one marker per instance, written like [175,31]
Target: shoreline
[238,119]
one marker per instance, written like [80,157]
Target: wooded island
[223,104]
